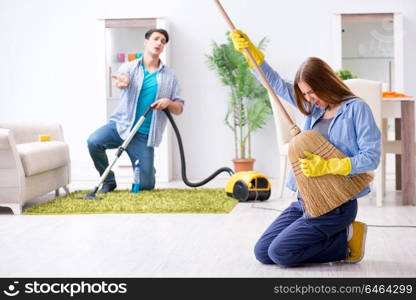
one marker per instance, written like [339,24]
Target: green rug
[156,201]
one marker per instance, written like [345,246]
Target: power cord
[369,225]
[265,208]
[393,226]
[259,207]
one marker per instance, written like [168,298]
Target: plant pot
[243,164]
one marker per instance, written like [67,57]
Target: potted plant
[345,74]
[248,105]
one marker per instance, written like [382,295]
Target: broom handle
[294,129]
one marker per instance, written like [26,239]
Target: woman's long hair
[324,83]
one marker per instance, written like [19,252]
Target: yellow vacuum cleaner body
[250,185]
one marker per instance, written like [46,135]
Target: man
[144,81]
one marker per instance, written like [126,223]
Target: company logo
[71,289]
[11,291]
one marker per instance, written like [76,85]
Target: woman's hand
[315,165]
[241,41]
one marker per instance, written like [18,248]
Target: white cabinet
[370,44]
[124,42]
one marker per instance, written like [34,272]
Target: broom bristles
[324,193]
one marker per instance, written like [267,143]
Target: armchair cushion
[38,157]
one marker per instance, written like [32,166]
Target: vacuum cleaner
[243,186]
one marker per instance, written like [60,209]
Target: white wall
[53,64]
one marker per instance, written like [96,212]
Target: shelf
[370,57]
[398,99]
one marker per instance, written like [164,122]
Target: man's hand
[174,107]
[161,104]
[122,81]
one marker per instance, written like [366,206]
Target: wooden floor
[189,245]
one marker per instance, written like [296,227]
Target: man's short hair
[161,31]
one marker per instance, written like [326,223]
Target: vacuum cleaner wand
[92,195]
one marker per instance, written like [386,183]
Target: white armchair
[283,139]
[370,91]
[29,168]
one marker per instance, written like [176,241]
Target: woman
[347,122]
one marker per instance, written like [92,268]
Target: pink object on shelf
[121,57]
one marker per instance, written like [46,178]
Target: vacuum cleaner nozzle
[91,195]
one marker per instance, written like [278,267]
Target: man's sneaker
[356,245]
[107,187]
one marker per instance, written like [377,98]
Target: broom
[320,194]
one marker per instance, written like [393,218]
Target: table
[408,156]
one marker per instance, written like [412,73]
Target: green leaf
[345,74]
[248,104]
[257,115]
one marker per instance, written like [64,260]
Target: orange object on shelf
[394,95]
[131,56]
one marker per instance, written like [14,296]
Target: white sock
[349,232]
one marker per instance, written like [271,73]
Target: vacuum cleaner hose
[183,164]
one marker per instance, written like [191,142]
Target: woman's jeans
[294,239]
[107,137]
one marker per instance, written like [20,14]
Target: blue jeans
[107,137]
[294,239]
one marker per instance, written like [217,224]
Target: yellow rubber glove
[318,166]
[241,41]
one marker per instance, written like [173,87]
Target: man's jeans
[106,137]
